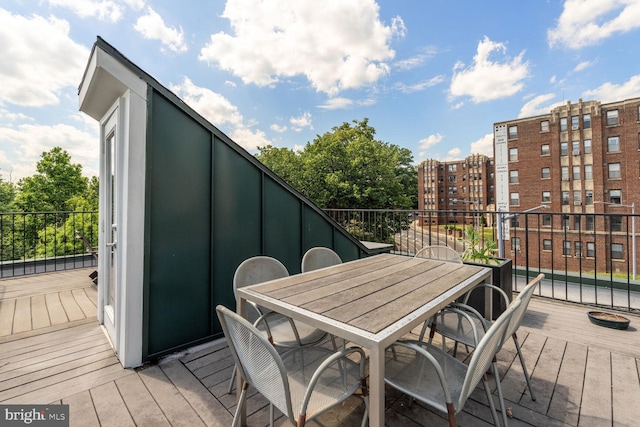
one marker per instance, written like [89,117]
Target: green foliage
[7,195]
[348,168]
[57,180]
[479,249]
[59,240]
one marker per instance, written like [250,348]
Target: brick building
[581,160]
[458,190]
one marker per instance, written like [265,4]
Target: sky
[432,76]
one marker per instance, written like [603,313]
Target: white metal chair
[441,252]
[302,382]
[431,375]
[319,257]
[280,330]
[469,328]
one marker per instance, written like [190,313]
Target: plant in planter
[482,252]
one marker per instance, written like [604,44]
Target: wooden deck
[53,351]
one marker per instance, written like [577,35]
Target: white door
[109,273]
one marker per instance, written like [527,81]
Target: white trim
[107,85]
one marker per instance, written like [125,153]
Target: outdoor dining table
[370,302]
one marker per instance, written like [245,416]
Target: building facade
[582,160]
[459,190]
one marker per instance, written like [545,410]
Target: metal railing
[586,257]
[38,242]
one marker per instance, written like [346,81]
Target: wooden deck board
[583,374]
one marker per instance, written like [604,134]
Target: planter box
[502,278]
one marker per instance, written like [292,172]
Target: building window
[565,173]
[617,251]
[613,144]
[587,146]
[546,172]
[614,170]
[544,126]
[546,245]
[563,124]
[615,222]
[575,148]
[515,199]
[546,196]
[576,172]
[575,123]
[564,149]
[565,197]
[576,222]
[588,172]
[546,220]
[615,196]
[513,177]
[515,244]
[452,178]
[612,118]
[513,154]
[577,198]
[513,132]
[545,151]
[451,168]
[566,247]
[565,222]
[591,249]
[589,222]
[586,121]
[577,246]
[588,197]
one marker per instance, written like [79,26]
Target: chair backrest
[319,257]
[257,361]
[258,269]
[441,252]
[525,298]
[485,351]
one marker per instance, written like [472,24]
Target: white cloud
[539,105]
[415,61]
[488,79]
[105,10]
[24,144]
[483,145]
[453,154]
[337,46]
[420,86]
[220,112]
[277,128]
[430,141]
[39,59]
[610,92]
[588,22]
[336,104]
[152,27]
[583,65]
[299,123]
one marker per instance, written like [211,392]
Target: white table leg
[241,309]
[376,387]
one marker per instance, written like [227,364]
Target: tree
[57,180]
[7,195]
[348,168]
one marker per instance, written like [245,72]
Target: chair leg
[233,379]
[451,413]
[243,396]
[503,407]
[487,390]
[524,367]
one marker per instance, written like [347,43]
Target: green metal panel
[179,199]
[282,220]
[236,218]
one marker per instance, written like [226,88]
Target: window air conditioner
[574,127]
[565,178]
[576,152]
[577,203]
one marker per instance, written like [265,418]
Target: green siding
[179,194]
